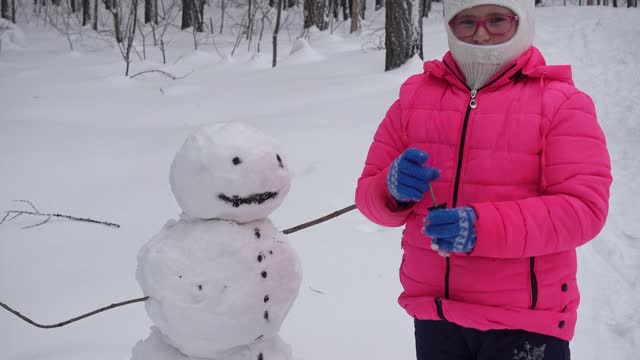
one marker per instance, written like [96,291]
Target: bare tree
[187,14]
[403,26]
[95,14]
[128,33]
[4,9]
[379,4]
[13,11]
[275,34]
[167,14]
[198,15]
[355,16]
[86,12]
[222,9]
[148,11]
[315,14]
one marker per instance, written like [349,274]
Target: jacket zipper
[534,282]
[473,103]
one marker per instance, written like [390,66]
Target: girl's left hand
[452,230]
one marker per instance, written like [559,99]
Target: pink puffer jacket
[531,160]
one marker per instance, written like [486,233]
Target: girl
[514,153]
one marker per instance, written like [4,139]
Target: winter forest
[100,99]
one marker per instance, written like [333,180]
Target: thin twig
[30,204]
[173,77]
[319,220]
[38,224]
[21,212]
[36,212]
[318,291]
[112,306]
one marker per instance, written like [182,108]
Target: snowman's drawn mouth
[236,200]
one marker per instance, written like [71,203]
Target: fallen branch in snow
[319,220]
[61,324]
[170,75]
[13,214]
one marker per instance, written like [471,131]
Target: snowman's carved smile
[259,198]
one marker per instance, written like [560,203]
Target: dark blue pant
[443,340]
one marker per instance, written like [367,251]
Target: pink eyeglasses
[495,25]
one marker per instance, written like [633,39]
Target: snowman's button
[266,298]
[260,258]
[260,356]
[266,315]
[257,233]
[264,274]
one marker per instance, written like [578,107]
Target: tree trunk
[148,10]
[425,5]
[187,14]
[95,15]
[13,11]
[275,34]
[615,3]
[73,6]
[199,15]
[379,4]
[292,3]
[403,27]
[222,8]
[117,21]
[4,9]
[355,15]
[86,12]
[250,19]
[108,4]
[314,14]
[589,2]
[346,13]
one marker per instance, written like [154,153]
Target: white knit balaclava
[481,62]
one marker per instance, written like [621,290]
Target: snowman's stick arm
[109,307]
[132,301]
[319,220]
[16,213]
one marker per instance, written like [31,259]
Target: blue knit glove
[409,177]
[452,230]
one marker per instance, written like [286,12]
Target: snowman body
[222,278]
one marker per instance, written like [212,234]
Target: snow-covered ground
[78,138]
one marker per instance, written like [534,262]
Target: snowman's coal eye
[279,161]
[236,161]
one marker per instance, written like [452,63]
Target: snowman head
[229,171]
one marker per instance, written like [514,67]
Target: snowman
[222,278]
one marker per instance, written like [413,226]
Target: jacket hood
[530,64]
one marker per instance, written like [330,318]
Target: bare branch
[36,212]
[30,204]
[319,220]
[67,322]
[318,291]
[41,223]
[173,77]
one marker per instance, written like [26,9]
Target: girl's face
[485,25]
